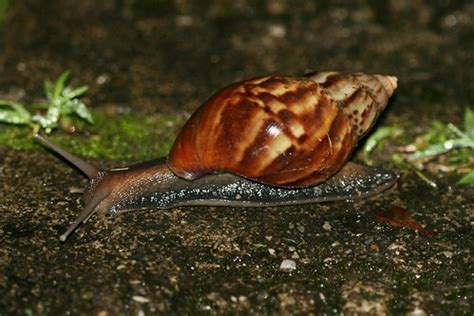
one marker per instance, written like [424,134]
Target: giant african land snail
[272,140]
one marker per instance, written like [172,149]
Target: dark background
[166,57]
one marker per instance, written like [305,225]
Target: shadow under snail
[268,141]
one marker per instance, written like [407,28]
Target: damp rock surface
[167,57]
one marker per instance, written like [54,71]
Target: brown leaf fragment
[397,216]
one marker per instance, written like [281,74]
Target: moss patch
[115,137]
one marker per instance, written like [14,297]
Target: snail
[274,140]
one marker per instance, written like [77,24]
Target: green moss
[132,137]
[4,5]
[17,137]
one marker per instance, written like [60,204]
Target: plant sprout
[62,102]
[441,139]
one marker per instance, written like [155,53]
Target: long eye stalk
[88,211]
[83,216]
[88,169]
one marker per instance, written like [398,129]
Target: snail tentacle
[85,167]
[86,213]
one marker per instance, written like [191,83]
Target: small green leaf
[48,89]
[438,133]
[76,107]
[60,84]
[456,131]
[82,111]
[438,149]
[377,137]
[50,120]
[74,93]
[469,123]
[468,178]
[14,113]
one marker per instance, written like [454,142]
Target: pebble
[288,265]
[277,31]
[327,226]
[140,299]
[448,254]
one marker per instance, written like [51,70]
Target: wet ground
[156,58]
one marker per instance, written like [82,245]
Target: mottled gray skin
[164,190]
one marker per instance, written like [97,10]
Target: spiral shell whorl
[361,96]
[288,131]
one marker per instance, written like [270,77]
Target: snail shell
[283,131]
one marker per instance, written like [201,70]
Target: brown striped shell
[285,131]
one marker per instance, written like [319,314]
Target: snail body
[266,141]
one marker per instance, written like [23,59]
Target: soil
[162,59]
